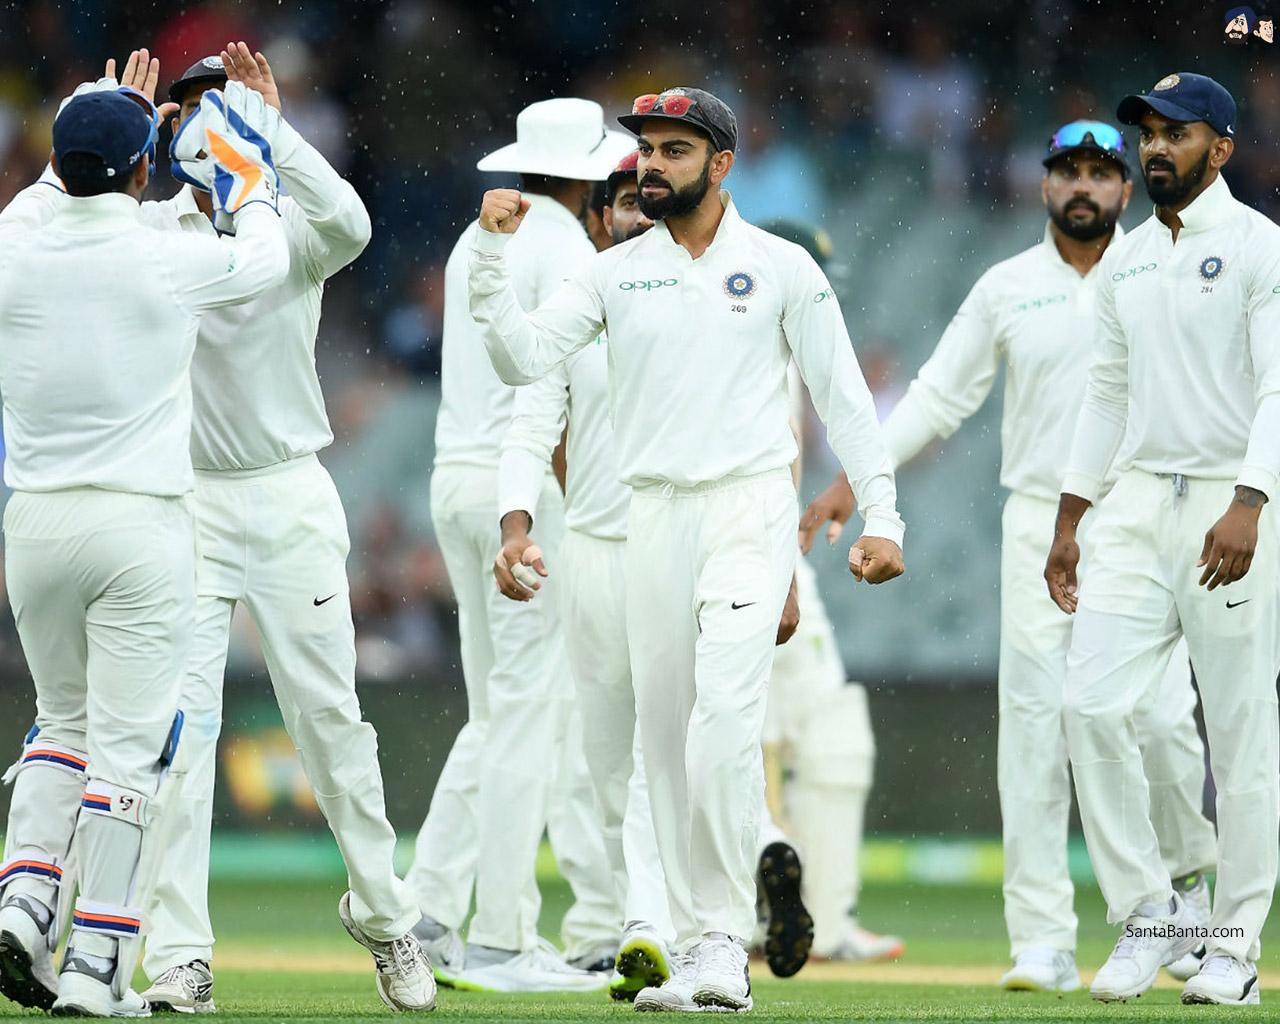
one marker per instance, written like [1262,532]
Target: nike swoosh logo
[1239,603]
[735,606]
[317,602]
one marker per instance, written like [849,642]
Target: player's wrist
[515,525]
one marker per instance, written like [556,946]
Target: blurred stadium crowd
[912,133]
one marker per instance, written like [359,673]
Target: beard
[625,236]
[1178,188]
[677,202]
[1103,222]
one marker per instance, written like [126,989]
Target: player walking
[1185,383]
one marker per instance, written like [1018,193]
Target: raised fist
[502,210]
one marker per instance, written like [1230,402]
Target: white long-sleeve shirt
[1035,313]
[698,354]
[98,323]
[1186,371]
[258,400]
[475,405]
[595,498]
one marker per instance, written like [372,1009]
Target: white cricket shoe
[643,962]
[446,951]
[1224,980]
[1146,944]
[27,974]
[187,988]
[1041,969]
[404,978]
[723,982]
[541,969]
[1199,905]
[87,995]
[675,995]
[856,944]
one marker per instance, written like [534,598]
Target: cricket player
[819,751]
[272,535]
[592,605]
[1185,386]
[1035,314]
[99,315]
[704,313]
[492,802]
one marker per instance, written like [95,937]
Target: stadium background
[911,132]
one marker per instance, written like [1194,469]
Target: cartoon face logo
[739,285]
[1237,25]
[1211,268]
[1266,30]
[1168,82]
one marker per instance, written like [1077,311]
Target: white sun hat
[563,138]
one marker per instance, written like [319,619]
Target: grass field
[283,955]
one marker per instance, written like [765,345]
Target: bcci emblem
[1211,267]
[739,285]
[214,63]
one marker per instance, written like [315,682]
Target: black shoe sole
[16,980]
[789,935]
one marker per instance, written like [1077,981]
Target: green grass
[952,927]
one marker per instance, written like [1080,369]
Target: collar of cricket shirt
[546,207]
[728,227]
[1209,208]
[97,213]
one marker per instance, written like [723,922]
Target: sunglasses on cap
[1088,133]
[676,106]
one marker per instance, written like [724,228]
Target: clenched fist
[875,560]
[502,210]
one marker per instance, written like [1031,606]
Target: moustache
[1157,164]
[1082,204]
[653,179]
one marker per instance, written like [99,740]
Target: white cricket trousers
[593,606]
[1140,595]
[495,794]
[1032,764]
[276,540]
[708,569]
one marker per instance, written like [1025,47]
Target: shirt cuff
[888,526]
[1082,485]
[490,243]
[1259,479]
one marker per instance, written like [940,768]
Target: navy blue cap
[108,125]
[1184,96]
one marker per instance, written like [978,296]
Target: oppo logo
[646,286]
[1121,275]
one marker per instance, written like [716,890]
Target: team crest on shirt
[1211,268]
[739,285]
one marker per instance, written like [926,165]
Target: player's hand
[142,75]
[1231,541]
[519,562]
[252,69]
[834,505]
[790,620]
[1060,572]
[502,210]
[875,560]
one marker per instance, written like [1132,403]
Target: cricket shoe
[444,948]
[541,969]
[1147,943]
[1042,969]
[723,981]
[187,988]
[1224,980]
[675,995]
[404,978]
[643,962]
[597,959]
[27,975]
[1196,897]
[789,933]
[84,990]
[856,944]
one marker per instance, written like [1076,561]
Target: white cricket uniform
[99,539]
[698,354]
[273,536]
[1035,314]
[592,591]
[1185,382]
[502,782]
